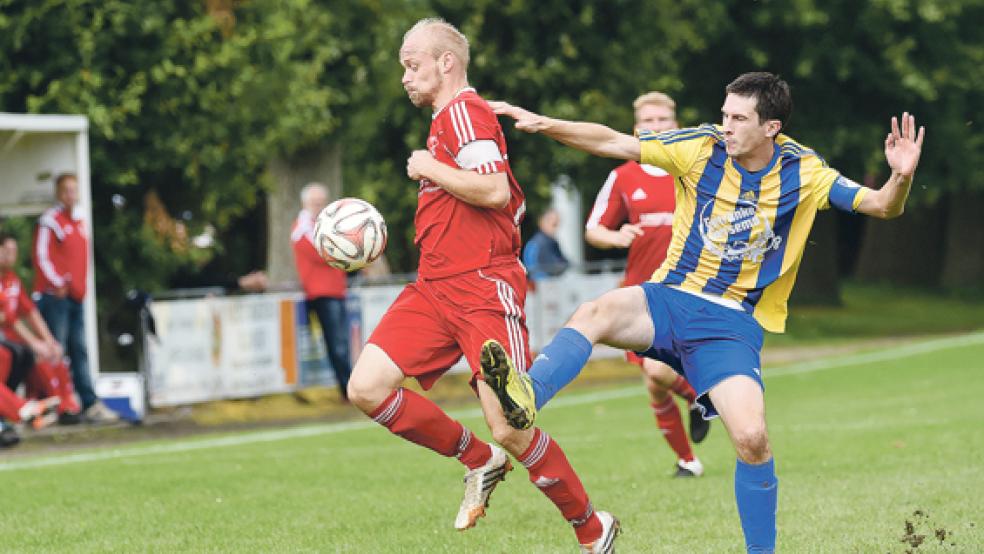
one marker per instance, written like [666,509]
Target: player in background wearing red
[634,210]
[470,287]
[28,351]
[324,286]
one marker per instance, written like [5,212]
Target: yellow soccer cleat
[514,389]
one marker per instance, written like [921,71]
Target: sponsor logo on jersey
[639,194]
[717,233]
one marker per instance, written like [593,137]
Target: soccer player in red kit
[634,210]
[470,287]
[28,351]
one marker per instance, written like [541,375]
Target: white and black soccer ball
[350,234]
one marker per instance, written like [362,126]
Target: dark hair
[772,94]
[62,177]
[5,236]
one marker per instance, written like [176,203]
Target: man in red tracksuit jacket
[61,266]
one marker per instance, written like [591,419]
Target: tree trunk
[963,260]
[818,280]
[322,164]
[906,250]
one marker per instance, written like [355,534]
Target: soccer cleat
[610,529]
[8,435]
[479,484]
[693,468]
[513,388]
[698,425]
[40,413]
[69,418]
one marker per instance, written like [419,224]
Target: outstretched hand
[903,146]
[525,119]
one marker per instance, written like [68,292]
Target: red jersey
[61,253]
[317,277]
[454,236]
[642,195]
[14,304]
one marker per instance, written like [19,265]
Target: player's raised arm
[903,147]
[592,138]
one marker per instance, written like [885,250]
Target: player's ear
[772,128]
[447,61]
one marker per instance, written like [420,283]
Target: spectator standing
[324,286]
[542,256]
[61,266]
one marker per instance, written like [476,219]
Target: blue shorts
[703,341]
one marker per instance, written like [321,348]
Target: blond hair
[444,37]
[654,98]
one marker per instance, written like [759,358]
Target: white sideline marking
[190,445]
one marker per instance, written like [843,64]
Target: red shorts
[434,322]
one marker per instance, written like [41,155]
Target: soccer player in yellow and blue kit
[746,199]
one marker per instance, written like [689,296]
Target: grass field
[865,444]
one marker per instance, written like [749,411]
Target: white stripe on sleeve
[44,260]
[601,202]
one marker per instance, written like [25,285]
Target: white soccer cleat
[40,413]
[610,529]
[692,468]
[479,484]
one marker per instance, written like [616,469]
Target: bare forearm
[486,191]
[889,201]
[32,340]
[592,138]
[601,237]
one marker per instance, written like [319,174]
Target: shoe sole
[495,369]
[616,531]
[479,511]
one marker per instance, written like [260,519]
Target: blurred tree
[189,99]
[194,98]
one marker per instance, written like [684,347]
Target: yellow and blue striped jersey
[739,234]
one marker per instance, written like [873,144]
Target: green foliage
[192,98]
[183,101]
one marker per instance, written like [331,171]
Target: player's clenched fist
[417,164]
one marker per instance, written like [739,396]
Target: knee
[364,394]
[752,444]
[656,390]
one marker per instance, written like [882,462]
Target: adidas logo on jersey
[639,194]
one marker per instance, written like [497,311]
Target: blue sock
[756,491]
[558,364]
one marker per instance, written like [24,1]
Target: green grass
[881,311]
[859,448]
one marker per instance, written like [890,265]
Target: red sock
[54,380]
[669,421]
[684,390]
[420,421]
[10,403]
[553,475]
